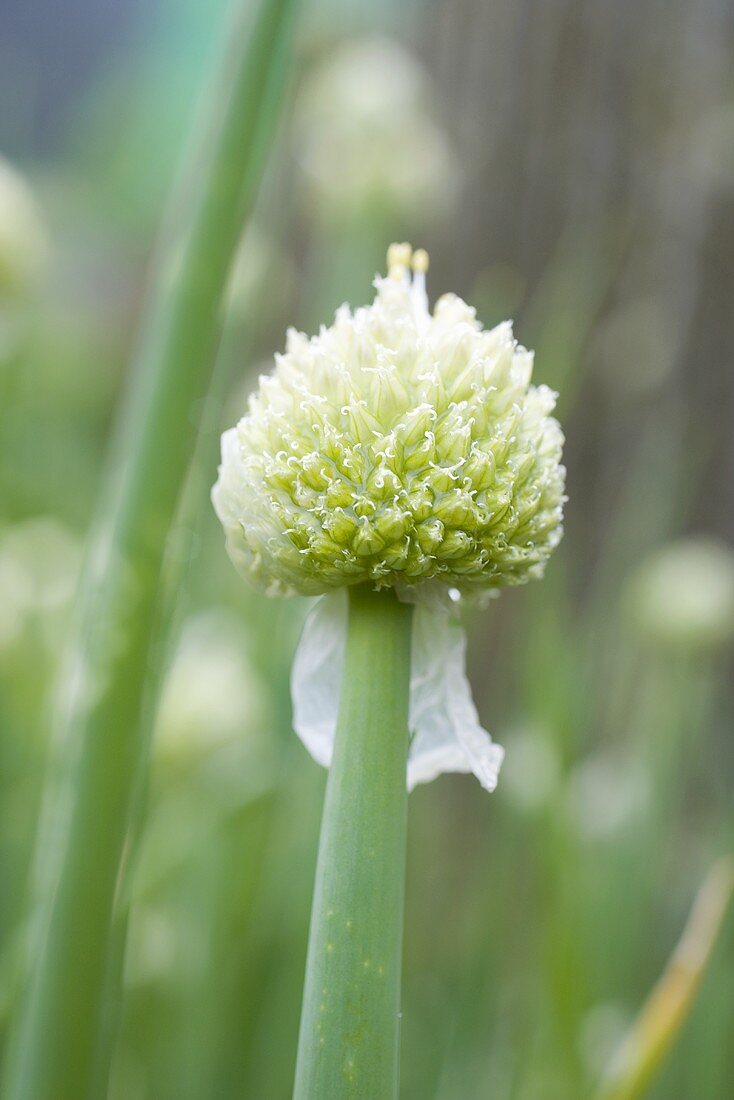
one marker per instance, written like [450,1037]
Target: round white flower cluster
[398,447]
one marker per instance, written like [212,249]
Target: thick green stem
[62,1046]
[348,1043]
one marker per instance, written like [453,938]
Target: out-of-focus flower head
[23,245]
[606,796]
[399,447]
[212,695]
[532,774]
[366,135]
[39,566]
[682,597]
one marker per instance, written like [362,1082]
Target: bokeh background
[567,163]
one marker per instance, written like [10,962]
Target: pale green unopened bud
[397,447]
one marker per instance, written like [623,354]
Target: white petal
[445,732]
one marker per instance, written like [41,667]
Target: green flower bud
[397,447]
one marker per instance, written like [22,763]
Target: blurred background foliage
[570,164]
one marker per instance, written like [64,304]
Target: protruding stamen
[419,263]
[398,259]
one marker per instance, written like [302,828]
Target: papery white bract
[445,732]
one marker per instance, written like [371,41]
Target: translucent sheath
[445,732]
[348,1043]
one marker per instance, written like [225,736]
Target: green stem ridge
[348,1042]
[61,1047]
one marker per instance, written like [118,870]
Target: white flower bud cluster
[398,447]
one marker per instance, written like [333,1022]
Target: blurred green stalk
[348,1042]
[658,1026]
[62,1046]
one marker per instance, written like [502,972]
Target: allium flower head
[398,447]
